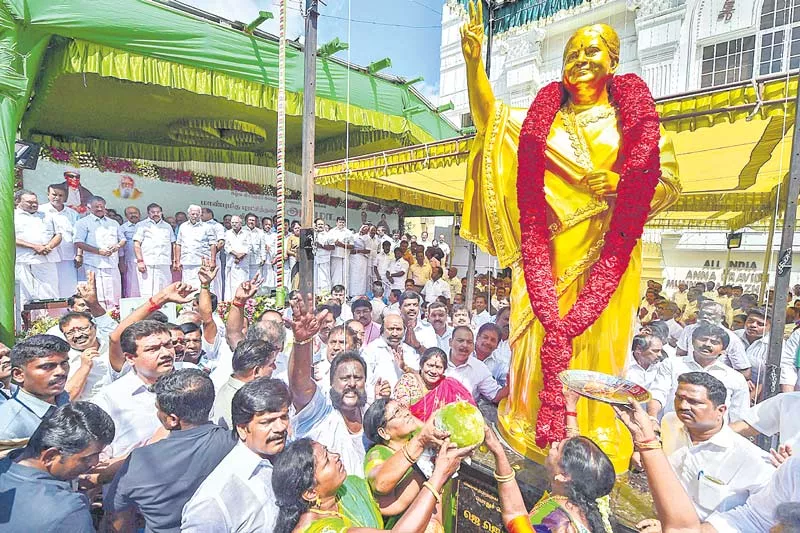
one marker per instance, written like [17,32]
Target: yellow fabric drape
[578,220]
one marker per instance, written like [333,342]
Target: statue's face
[587,61]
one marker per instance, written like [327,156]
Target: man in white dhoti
[384,258]
[270,240]
[217,286]
[100,238]
[130,281]
[37,239]
[196,241]
[257,256]
[322,258]
[359,263]
[343,241]
[237,246]
[64,220]
[372,245]
[153,245]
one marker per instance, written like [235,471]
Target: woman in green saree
[315,495]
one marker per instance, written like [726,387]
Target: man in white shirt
[643,365]
[711,312]
[196,241]
[36,258]
[388,357]
[435,287]
[481,305]
[503,351]
[90,368]
[776,415]
[419,335]
[148,350]
[218,285]
[469,371]
[100,239]
[397,271]
[444,247]
[322,258]
[130,285]
[709,342]
[718,467]
[342,239]
[383,259]
[437,318]
[424,242]
[487,341]
[755,336]
[667,311]
[64,220]
[789,374]
[335,421]
[238,495]
[153,245]
[268,273]
[237,247]
[378,305]
[257,255]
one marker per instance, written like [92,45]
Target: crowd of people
[320,417]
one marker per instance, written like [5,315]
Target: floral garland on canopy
[187,177]
[641,171]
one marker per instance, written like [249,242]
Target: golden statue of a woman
[582,167]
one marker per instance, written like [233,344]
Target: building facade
[674,45]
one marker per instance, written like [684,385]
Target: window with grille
[779,48]
[728,62]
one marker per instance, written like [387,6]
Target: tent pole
[305,255]
[280,293]
[783,268]
[762,294]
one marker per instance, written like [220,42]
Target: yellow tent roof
[733,146]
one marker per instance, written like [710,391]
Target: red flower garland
[641,170]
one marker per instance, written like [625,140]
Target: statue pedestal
[474,506]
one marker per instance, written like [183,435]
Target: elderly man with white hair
[238,248]
[37,240]
[196,241]
[101,238]
[130,281]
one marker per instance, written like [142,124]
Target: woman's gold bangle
[428,485]
[300,343]
[656,445]
[408,455]
[506,478]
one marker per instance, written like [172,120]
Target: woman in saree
[428,390]
[391,464]
[314,493]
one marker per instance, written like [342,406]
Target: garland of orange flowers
[641,170]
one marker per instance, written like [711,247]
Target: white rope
[346,265]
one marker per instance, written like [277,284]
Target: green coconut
[463,421]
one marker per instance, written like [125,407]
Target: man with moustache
[436,287]
[153,242]
[322,258]
[207,216]
[437,317]
[39,366]
[100,239]
[257,253]
[362,312]
[335,421]
[419,335]
[147,348]
[708,343]
[238,247]
[64,220]
[130,280]
[196,241]
[388,358]
[37,241]
[718,467]
[238,495]
[464,367]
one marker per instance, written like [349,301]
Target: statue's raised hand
[472,34]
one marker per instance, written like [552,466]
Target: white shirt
[757,515]
[36,228]
[444,247]
[64,222]
[397,265]
[675,330]
[344,236]
[443,340]
[102,373]
[381,364]
[256,252]
[383,262]
[433,289]
[321,422]
[132,406]
[195,241]
[718,474]
[128,230]
[734,355]
[788,360]
[498,364]
[321,255]
[778,414]
[639,375]
[476,378]
[425,334]
[269,242]
[482,318]
[236,496]
[99,233]
[156,241]
[757,353]
[238,242]
[377,309]
[665,385]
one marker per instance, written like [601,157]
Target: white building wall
[661,40]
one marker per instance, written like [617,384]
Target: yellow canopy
[733,146]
